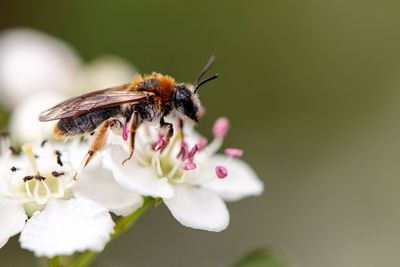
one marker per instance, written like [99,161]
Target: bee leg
[134,123]
[98,142]
[166,132]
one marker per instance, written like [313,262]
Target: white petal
[241,181]
[33,62]
[191,136]
[133,176]
[25,126]
[198,208]
[12,220]
[99,185]
[67,226]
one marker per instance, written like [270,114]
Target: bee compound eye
[184,103]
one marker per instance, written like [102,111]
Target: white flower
[38,71]
[25,126]
[33,62]
[103,72]
[193,183]
[65,216]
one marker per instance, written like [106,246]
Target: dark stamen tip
[59,161]
[28,178]
[43,142]
[14,169]
[57,174]
[39,178]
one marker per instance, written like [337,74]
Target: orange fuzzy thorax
[164,89]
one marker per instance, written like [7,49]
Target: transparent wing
[86,103]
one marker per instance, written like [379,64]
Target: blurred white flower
[193,183]
[64,216]
[103,72]
[38,71]
[25,126]
[33,62]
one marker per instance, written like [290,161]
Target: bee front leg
[166,131]
[134,123]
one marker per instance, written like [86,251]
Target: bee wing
[93,101]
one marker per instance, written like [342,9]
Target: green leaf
[262,257]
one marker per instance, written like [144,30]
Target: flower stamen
[189,165]
[57,174]
[157,164]
[14,169]
[36,194]
[161,143]
[174,170]
[46,187]
[183,151]
[43,143]
[28,150]
[203,142]
[27,188]
[233,152]
[60,189]
[27,178]
[221,127]
[221,172]
[59,161]
[193,152]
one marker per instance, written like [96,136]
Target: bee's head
[186,100]
[187,103]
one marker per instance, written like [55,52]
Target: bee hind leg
[98,142]
[134,123]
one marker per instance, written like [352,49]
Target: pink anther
[183,152]
[189,165]
[161,143]
[203,142]
[234,152]
[221,127]
[193,152]
[221,172]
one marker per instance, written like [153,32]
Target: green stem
[121,226]
[55,262]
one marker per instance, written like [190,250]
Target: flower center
[42,186]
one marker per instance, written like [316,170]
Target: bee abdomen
[83,124]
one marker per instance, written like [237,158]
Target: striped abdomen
[83,124]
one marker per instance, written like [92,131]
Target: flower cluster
[44,73]
[57,214]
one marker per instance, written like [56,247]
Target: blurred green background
[312,91]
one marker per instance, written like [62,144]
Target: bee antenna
[197,86]
[204,70]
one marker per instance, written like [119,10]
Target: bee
[147,99]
